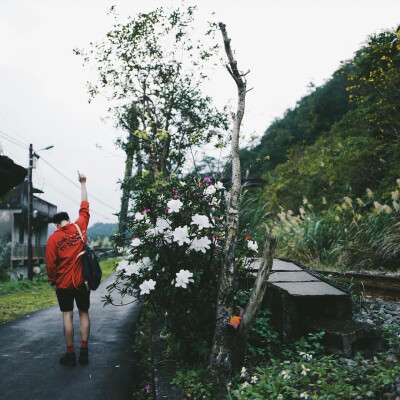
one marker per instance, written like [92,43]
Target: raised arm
[84,215]
[82,180]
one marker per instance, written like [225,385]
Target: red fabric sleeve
[51,260]
[83,220]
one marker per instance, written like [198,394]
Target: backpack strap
[82,252]
[80,232]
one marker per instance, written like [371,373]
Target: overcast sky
[43,98]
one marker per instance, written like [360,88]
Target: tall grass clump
[361,233]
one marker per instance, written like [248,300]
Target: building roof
[11,174]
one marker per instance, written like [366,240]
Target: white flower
[210,190]
[145,263]
[139,216]
[136,242]
[252,245]
[306,355]
[219,185]
[146,286]
[119,267]
[200,244]
[201,220]
[162,224]
[305,370]
[174,205]
[151,232]
[304,395]
[285,374]
[183,278]
[132,269]
[245,384]
[215,201]
[168,236]
[254,379]
[243,372]
[182,183]
[181,235]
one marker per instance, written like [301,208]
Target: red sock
[70,349]
[84,343]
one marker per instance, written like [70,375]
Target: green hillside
[341,138]
[100,229]
[332,166]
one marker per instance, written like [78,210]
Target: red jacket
[63,247]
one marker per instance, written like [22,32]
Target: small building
[14,228]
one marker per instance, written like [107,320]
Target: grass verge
[22,297]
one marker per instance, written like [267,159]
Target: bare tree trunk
[254,303]
[220,364]
[125,194]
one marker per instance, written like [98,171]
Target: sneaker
[69,360]
[84,355]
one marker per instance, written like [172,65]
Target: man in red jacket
[64,271]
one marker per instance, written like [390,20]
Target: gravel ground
[385,315]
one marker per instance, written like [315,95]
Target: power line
[16,126]
[5,136]
[76,202]
[10,139]
[73,183]
[108,152]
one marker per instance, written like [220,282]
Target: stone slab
[317,288]
[280,265]
[290,276]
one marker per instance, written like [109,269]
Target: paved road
[31,346]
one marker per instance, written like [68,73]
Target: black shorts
[66,298]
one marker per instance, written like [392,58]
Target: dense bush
[359,233]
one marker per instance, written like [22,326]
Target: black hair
[61,216]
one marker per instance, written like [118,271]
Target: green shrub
[357,233]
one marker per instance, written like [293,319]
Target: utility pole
[30,212]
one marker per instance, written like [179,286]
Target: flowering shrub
[176,233]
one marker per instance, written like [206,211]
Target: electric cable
[73,183]
[76,202]
[14,124]
[109,152]
[14,141]
[10,139]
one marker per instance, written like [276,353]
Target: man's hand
[81,178]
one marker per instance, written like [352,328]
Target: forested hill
[100,229]
[340,139]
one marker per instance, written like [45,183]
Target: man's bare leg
[84,325]
[85,330]
[68,327]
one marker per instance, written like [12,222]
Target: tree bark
[220,364]
[254,303]
[125,194]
